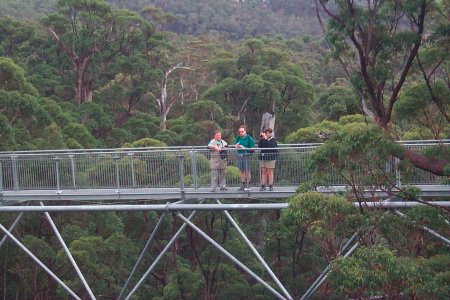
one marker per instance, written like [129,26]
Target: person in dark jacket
[268,158]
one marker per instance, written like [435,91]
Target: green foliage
[52,138]
[357,118]
[204,110]
[373,272]
[427,216]
[319,213]
[417,105]
[145,142]
[335,101]
[261,78]
[141,126]
[313,133]
[355,149]
[79,134]
[168,137]
[26,8]
[6,134]
[183,283]
[232,174]
[95,118]
[409,193]
[231,81]
[236,21]
[12,77]
[417,133]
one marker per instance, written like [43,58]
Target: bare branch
[74,57]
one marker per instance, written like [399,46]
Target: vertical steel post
[260,258]
[1,177]
[116,163]
[11,228]
[58,180]
[73,171]
[69,255]
[181,167]
[15,173]
[39,262]
[158,258]
[398,179]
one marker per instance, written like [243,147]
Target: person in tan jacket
[218,161]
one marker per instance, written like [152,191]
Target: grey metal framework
[169,174]
[172,173]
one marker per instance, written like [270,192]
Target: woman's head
[217,135]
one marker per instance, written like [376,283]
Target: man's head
[268,132]
[242,130]
[217,135]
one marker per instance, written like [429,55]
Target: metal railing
[168,167]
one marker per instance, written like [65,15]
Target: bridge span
[174,173]
[174,180]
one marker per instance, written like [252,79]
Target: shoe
[242,187]
[247,188]
[213,190]
[223,188]
[270,187]
[262,188]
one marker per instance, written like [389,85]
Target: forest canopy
[355,76]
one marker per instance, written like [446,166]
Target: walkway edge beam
[208,207]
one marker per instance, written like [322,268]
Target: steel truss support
[255,251]
[431,231]
[160,255]
[141,256]
[323,276]
[39,262]
[69,255]
[230,256]
[11,228]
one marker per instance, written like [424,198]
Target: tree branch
[409,62]
[434,98]
[74,57]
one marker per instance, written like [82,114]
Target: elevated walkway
[174,173]
[177,179]
[173,194]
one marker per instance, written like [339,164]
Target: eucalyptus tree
[378,43]
[22,113]
[261,78]
[91,34]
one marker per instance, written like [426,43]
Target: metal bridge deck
[173,194]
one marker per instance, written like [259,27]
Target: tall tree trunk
[163,121]
[83,89]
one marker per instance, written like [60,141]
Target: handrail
[186,148]
[168,168]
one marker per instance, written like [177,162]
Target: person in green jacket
[243,142]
